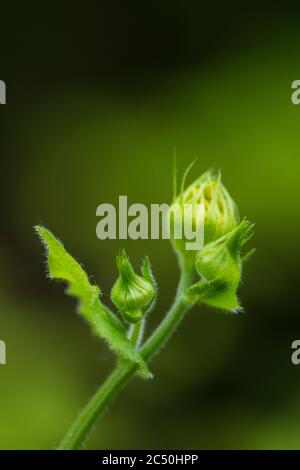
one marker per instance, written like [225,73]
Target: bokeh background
[96,100]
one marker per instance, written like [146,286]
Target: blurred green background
[96,102]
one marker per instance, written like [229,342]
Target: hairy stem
[123,372]
[135,333]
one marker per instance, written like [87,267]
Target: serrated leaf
[62,266]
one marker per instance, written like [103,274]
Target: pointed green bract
[147,273]
[219,265]
[62,266]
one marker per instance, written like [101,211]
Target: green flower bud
[219,264]
[220,214]
[133,294]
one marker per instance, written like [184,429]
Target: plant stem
[123,372]
[136,332]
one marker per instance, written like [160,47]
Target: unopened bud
[220,213]
[133,294]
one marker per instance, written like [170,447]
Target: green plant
[210,276]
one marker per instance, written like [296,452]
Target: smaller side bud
[219,264]
[133,294]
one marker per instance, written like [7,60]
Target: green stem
[135,333]
[123,372]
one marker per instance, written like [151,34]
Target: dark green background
[96,100]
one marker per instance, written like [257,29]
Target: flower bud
[219,264]
[133,294]
[220,213]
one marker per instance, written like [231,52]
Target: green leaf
[62,266]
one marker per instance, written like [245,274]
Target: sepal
[219,265]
